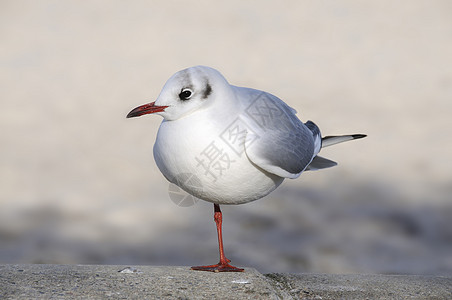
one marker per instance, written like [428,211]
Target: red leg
[223,265]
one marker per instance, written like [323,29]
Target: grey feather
[320,163]
[285,146]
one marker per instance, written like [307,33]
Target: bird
[230,145]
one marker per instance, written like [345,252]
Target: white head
[185,92]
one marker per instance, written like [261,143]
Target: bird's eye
[185,94]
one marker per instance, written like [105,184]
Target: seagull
[230,145]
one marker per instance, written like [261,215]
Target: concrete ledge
[149,282]
[129,282]
[363,286]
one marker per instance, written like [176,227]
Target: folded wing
[283,145]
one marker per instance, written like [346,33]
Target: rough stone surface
[149,282]
[363,286]
[134,282]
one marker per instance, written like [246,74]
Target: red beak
[145,109]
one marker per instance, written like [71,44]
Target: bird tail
[319,162]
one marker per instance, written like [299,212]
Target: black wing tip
[358,136]
[353,136]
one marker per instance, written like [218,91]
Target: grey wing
[281,143]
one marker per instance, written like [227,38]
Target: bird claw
[220,267]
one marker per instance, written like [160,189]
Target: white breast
[212,156]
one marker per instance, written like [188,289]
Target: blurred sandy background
[78,183]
